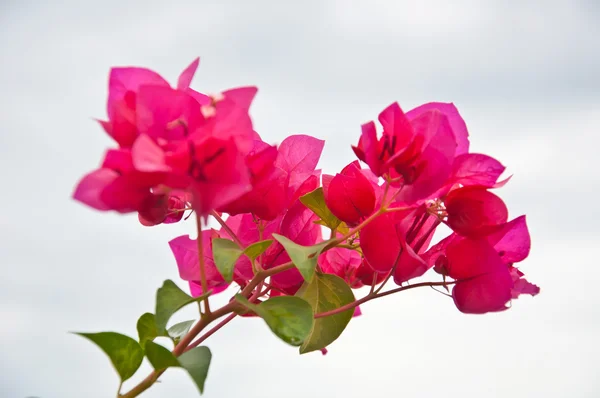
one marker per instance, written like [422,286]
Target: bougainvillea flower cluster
[290,237]
[177,150]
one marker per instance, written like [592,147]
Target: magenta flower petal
[380,243]
[476,169]
[512,240]
[90,188]
[163,112]
[485,293]
[185,251]
[241,96]
[521,285]
[396,126]
[432,168]
[298,156]
[185,78]
[350,196]
[474,211]
[459,128]
[468,258]
[126,79]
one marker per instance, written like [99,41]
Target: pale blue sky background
[523,74]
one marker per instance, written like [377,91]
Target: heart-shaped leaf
[315,201]
[146,327]
[303,257]
[256,249]
[196,361]
[326,292]
[289,317]
[125,353]
[169,299]
[159,357]
[179,330]
[225,253]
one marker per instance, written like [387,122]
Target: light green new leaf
[225,253]
[289,317]
[326,292]
[303,257]
[125,353]
[146,327]
[160,358]
[179,330]
[196,361]
[169,299]
[315,201]
[256,249]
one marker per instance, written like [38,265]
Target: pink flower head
[168,143]
[417,149]
[349,195]
[140,100]
[483,267]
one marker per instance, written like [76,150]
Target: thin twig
[229,231]
[203,282]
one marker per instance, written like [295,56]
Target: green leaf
[146,327]
[316,202]
[343,228]
[326,292]
[258,248]
[196,361]
[169,299]
[303,257]
[125,353]
[160,358]
[179,330]
[289,317]
[225,253]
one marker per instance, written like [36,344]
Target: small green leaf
[169,299]
[326,292]
[160,358]
[289,317]
[125,353]
[315,201]
[146,327]
[179,330]
[303,257]
[256,249]
[196,361]
[225,253]
[343,228]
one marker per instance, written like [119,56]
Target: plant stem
[180,348]
[211,331]
[354,230]
[229,231]
[370,297]
[203,282]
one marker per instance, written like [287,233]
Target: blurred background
[524,75]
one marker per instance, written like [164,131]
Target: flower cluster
[180,150]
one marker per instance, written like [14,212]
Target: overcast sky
[524,75]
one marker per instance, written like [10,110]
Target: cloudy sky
[523,74]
